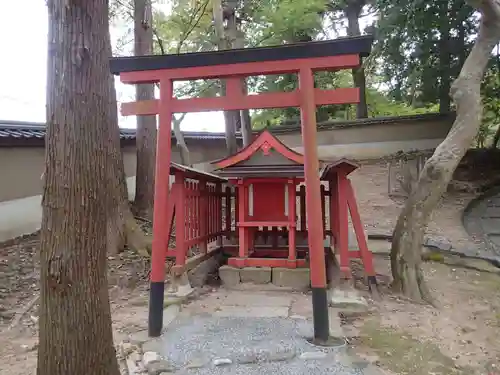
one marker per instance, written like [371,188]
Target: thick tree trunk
[75,335]
[246,127]
[123,229]
[231,118]
[146,125]
[244,115]
[352,12]
[438,170]
[230,132]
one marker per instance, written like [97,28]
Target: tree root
[412,285]
[19,316]
[123,230]
[136,238]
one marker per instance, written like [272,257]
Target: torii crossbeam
[303,59]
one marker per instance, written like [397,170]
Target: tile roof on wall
[35,130]
[22,130]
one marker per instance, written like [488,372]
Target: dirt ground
[464,327]
[458,336]
[379,212]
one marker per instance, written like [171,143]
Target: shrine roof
[331,167]
[360,45]
[195,173]
[265,156]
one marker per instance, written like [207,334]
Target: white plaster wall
[24,216]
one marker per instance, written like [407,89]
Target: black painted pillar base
[373,287]
[372,281]
[320,314]
[155,319]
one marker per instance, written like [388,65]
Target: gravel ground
[253,345]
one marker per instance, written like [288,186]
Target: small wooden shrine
[267,175]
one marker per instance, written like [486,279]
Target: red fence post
[292,205]
[202,185]
[218,212]
[302,207]
[180,220]
[228,212]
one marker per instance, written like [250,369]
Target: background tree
[76,197]
[146,125]
[438,170]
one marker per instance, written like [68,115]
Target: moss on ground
[400,353]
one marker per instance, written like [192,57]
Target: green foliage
[380,105]
[421,45]
[419,50]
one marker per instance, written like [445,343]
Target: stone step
[291,279]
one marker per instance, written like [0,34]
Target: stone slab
[229,276]
[495,238]
[334,323]
[295,278]
[346,298]
[438,243]
[199,275]
[252,312]
[491,212]
[271,299]
[491,225]
[256,275]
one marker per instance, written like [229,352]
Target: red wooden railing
[195,212]
[204,209]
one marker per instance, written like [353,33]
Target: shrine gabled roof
[265,144]
[345,165]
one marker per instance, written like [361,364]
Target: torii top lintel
[342,53]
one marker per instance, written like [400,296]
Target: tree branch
[192,25]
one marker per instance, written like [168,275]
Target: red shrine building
[271,206]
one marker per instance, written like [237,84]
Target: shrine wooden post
[302,59]
[314,208]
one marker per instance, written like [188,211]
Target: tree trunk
[231,118]
[444,59]
[246,127]
[245,118]
[181,142]
[146,125]
[230,132]
[438,170]
[75,335]
[496,138]
[352,11]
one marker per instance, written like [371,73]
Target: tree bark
[231,118]
[352,12]
[75,335]
[181,142]
[146,125]
[438,170]
[245,118]
[230,131]
[496,138]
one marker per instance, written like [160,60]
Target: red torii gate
[233,65]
